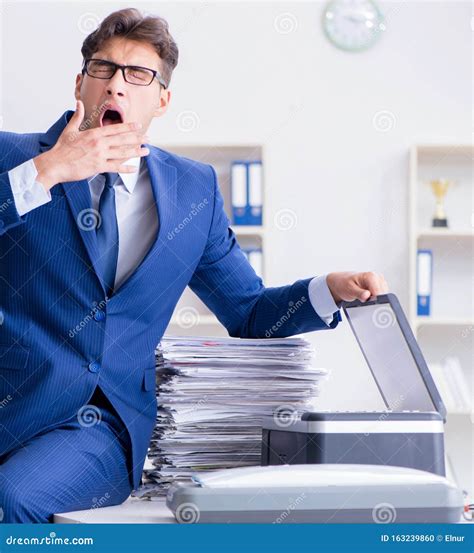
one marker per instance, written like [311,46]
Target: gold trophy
[440,188]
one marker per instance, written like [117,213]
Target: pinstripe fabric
[80,464]
[61,335]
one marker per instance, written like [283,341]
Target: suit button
[99,315]
[94,367]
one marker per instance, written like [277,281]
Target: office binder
[255,193]
[424,271]
[239,193]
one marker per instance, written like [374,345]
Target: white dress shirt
[137,220]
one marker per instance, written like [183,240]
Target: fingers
[125,153]
[370,284]
[126,139]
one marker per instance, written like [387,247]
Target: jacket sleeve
[226,282]
[15,150]
[9,216]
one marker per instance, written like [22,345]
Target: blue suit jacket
[59,334]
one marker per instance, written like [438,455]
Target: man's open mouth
[111,117]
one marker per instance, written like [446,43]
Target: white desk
[134,511]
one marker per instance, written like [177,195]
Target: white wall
[333,157]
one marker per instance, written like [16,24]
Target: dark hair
[131,24]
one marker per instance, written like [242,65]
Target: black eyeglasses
[133,74]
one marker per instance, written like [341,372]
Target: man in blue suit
[99,236]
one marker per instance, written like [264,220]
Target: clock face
[353,24]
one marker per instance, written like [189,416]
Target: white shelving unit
[449,330]
[191,316]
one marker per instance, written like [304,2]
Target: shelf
[445,233]
[430,321]
[243,230]
[446,149]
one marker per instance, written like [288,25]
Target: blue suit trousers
[83,463]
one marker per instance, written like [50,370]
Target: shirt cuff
[321,299]
[28,193]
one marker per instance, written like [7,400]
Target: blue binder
[239,193]
[255,193]
[247,192]
[424,280]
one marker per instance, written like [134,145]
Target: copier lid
[393,355]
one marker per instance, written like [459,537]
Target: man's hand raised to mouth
[80,154]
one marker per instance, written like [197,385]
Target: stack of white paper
[212,394]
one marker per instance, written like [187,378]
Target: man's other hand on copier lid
[349,286]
